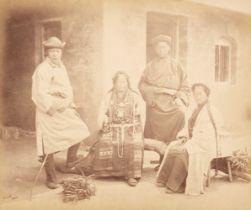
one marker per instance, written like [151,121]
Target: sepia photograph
[125,104]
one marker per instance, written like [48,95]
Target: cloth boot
[51,180]
[72,155]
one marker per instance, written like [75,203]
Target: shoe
[52,185]
[157,168]
[41,158]
[160,184]
[132,182]
[169,191]
[72,157]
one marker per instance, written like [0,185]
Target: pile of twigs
[240,161]
[77,189]
[240,164]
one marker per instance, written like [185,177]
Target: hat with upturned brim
[161,38]
[53,42]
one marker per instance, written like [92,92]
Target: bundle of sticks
[240,163]
[78,188]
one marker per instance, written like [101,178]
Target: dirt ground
[20,165]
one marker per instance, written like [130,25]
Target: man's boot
[72,156]
[51,180]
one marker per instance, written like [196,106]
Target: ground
[20,167]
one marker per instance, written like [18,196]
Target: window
[222,66]
[225,61]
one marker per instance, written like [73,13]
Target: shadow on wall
[80,27]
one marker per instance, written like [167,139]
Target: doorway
[174,26]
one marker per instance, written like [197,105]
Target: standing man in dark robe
[164,88]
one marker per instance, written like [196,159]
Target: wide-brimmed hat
[53,42]
[161,38]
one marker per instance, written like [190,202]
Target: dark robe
[164,118]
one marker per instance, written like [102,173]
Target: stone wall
[81,29]
[125,38]
[82,57]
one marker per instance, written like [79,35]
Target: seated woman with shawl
[119,149]
[187,160]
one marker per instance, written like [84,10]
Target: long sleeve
[203,139]
[40,90]
[147,91]
[66,99]
[184,90]
[140,109]
[61,103]
[103,110]
[45,94]
[184,131]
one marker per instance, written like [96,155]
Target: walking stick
[38,174]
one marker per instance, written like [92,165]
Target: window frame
[231,72]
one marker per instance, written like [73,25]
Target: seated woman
[187,160]
[119,149]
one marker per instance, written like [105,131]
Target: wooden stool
[228,170]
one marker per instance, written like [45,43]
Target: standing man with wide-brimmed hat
[58,125]
[164,87]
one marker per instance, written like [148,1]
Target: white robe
[51,89]
[201,149]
